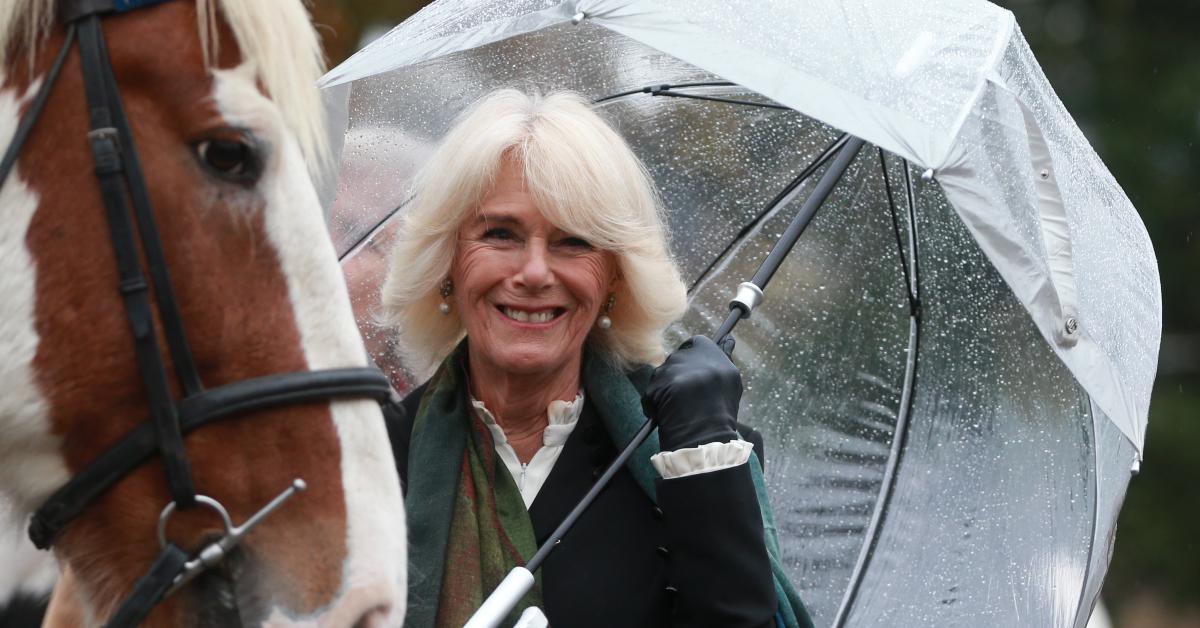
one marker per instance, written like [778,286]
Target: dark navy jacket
[694,559]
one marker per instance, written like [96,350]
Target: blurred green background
[1129,72]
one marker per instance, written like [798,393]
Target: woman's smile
[536,318]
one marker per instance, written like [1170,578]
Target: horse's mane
[276,37]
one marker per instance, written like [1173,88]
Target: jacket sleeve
[717,561]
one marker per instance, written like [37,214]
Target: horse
[227,133]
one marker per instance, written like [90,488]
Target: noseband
[130,219]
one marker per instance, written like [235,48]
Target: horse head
[226,122]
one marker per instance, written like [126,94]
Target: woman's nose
[535,272]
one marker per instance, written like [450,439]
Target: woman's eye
[232,160]
[498,233]
[576,243]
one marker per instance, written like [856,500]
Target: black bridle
[130,220]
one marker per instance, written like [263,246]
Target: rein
[123,189]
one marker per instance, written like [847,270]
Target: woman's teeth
[529,317]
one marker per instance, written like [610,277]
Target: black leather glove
[694,395]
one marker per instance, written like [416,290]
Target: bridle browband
[124,192]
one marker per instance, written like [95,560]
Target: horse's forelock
[275,37]
[23,25]
[279,41]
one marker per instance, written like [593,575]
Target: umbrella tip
[578,17]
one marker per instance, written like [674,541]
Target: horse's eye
[232,160]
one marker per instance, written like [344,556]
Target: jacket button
[671,590]
[663,551]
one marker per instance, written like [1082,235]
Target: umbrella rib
[914,255]
[783,197]
[651,89]
[730,101]
[887,186]
[906,399]
[370,233]
[1080,611]
[666,89]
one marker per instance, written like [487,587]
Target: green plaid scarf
[468,526]
[467,523]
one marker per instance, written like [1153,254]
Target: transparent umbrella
[952,370]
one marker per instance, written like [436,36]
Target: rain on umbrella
[938,451]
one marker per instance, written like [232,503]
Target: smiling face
[527,292]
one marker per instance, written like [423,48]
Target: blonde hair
[584,179]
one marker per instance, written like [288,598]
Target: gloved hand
[694,395]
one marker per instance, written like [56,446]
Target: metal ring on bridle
[200,499]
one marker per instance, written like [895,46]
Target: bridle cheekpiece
[130,220]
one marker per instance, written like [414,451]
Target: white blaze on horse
[226,121]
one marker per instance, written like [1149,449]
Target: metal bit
[215,552]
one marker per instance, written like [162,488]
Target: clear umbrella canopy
[952,369]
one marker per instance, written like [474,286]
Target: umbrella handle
[497,606]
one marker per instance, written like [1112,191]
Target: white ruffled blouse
[564,415]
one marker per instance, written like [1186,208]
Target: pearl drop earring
[604,322]
[446,289]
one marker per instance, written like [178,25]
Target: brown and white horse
[226,119]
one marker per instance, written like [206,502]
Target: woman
[533,273]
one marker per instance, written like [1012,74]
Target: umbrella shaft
[587,500]
[736,313]
[814,201]
[787,241]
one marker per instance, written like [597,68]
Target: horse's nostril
[374,618]
[373,605]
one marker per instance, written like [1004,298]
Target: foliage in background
[1129,72]
[1157,546]
[347,25]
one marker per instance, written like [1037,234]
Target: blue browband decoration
[74,10]
[122,6]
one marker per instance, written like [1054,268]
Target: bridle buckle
[104,133]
